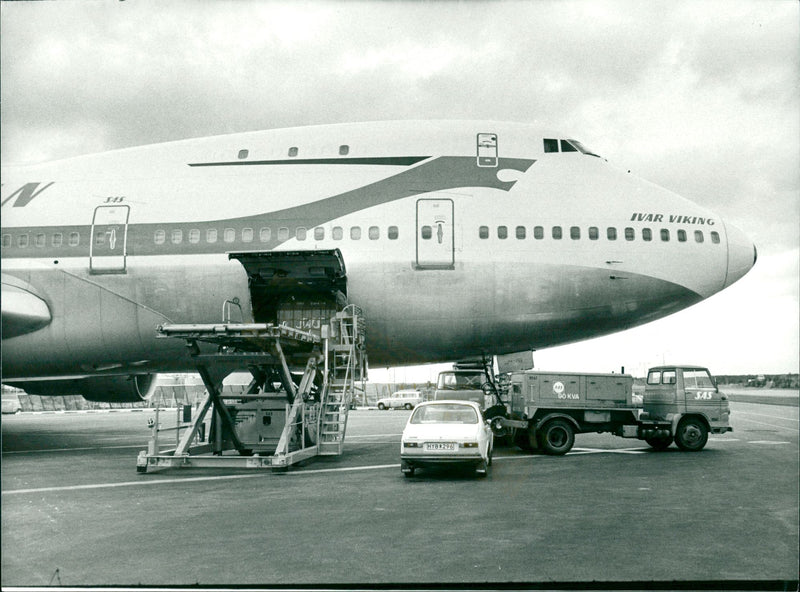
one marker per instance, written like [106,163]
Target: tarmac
[611,513]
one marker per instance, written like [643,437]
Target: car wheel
[556,437]
[381,406]
[691,434]
[407,406]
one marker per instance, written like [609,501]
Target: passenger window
[664,235]
[681,236]
[160,237]
[502,232]
[393,233]
[567,147]
[74,239]
[355,232]
[594,233]
[176,237]
[211,235]
[301,233]
[283,233]
[194,236]
[698,236]
[426,232]
[538,232]
[6,240]
[319,233]
[647,234]
[374,233]
[670,377]
[293,151]
[483,232]
[40,240]
[344,150]
[575,232]
[520,232]
[247,235]
[629,234]
[611,233]
[550,145]
[715,238]
[229,235]
[338,233]
[265,234]
[557,232]
[58,239]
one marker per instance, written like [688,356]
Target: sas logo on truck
[558,391]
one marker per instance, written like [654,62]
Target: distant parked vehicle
[11,403]
[406,399]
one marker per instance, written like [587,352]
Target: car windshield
[445,413]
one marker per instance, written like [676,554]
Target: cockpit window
[552,145]
[567,147]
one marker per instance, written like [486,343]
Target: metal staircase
[345,374]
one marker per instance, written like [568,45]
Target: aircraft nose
[742,254]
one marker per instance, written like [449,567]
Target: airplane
[458,239]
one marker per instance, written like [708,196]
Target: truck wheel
[691,434]
[556,437]
[381,406]
[659,443]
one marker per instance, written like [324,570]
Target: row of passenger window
[40,240]
[557,232]
[248,235]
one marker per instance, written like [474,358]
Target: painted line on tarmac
[193,479]
[768,442]
[578,451]
[374,436]
[777,427]
[140,446]
[778,417]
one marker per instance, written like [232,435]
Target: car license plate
[440,446]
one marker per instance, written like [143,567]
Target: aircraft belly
[439,315]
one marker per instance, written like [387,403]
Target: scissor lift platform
[315,410]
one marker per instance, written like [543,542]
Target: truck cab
[688,398]
[462,385]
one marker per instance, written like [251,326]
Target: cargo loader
[681,404]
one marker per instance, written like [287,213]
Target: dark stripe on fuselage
[373,160]
[439,174]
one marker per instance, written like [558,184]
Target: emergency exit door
[435,236]
[109,239]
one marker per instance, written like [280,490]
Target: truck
[681,404]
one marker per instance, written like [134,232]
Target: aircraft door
[435,236]
[109,239]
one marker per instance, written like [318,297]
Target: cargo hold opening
[302,289]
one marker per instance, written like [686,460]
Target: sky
[700,97]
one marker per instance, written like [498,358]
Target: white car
[445,432]
[407,399]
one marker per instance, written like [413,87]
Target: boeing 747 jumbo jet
[456,238]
